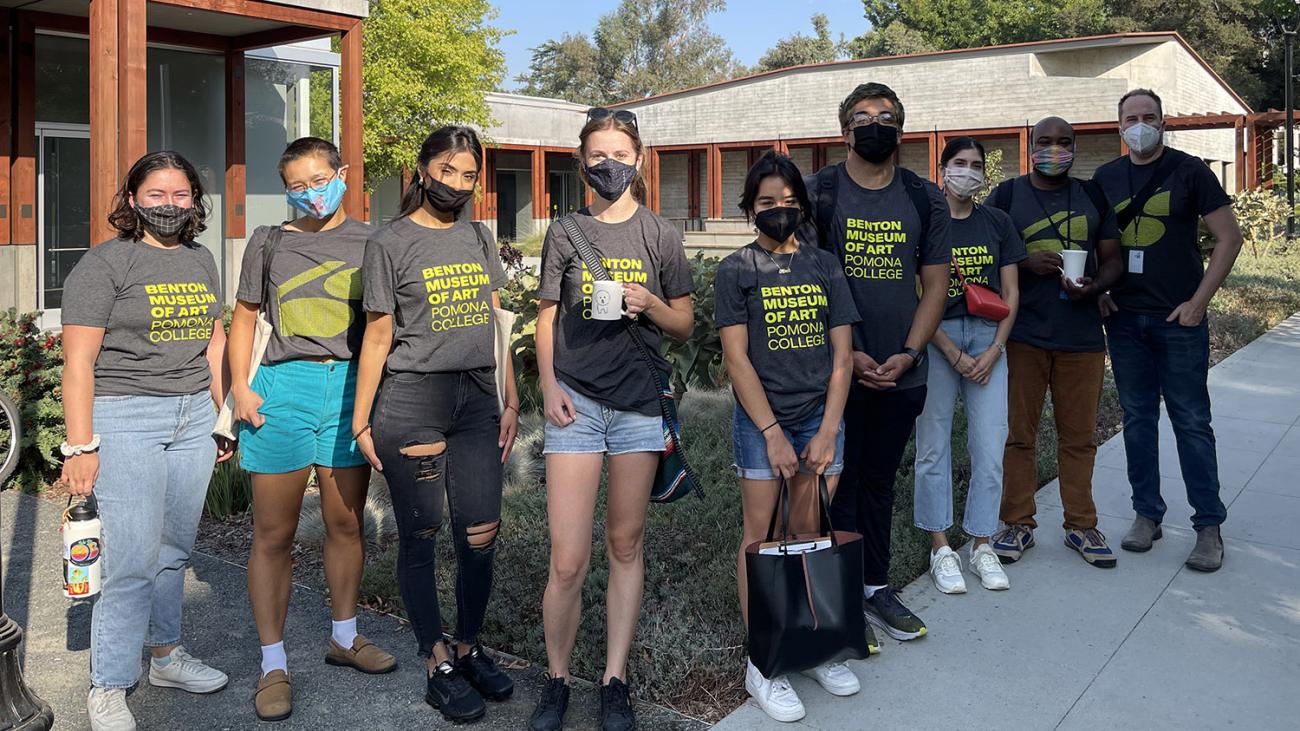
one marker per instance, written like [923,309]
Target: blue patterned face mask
[319,202]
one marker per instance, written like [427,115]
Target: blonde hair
[639,189]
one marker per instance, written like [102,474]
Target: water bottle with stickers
[82,549]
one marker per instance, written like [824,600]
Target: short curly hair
[869,90]
[128,223]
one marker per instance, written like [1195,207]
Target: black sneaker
[482,672]
[885,611]
[549,713]
[451,693]
[615,707]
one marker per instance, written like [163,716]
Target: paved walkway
[219,628]
[1149,644]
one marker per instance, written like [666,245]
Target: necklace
[781,269]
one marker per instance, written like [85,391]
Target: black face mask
[445,198]
[610,178]
[875,142]
[166,220]
[778,223]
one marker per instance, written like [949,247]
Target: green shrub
[230,491]
[697,361]
[31,367]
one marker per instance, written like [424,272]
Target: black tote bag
[805,609]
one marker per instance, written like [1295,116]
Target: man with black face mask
[1057,341]
[887,226]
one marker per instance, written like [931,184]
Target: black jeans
[458,411]
[877,425]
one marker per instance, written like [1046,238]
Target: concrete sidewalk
[219,629]
[1148,644]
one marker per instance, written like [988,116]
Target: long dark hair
[448,138]
[128,223]
[774,164]
[612,122]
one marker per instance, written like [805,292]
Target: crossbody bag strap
[269,246]
[1170,162]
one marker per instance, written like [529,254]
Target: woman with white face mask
[967,352]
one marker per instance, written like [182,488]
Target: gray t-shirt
[596,358]
[157,307]
[982,243]
[876,235]
[316,280]
[437,284]
[788,318]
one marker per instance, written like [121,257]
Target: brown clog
[364,656]
[273,699]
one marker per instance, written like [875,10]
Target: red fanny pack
[980,300]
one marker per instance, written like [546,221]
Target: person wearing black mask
[785,315]
[601,399]
[1057,342]
[430,285]
[888,227]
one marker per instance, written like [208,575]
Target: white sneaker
[985,563]
[108,711]
[945,569]
[835,678]
[775,696]
[187,673]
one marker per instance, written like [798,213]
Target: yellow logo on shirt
[320,317]
[871,249]
[1061,230]
[180,311]
[1147,227]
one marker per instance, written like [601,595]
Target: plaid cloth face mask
[165,220]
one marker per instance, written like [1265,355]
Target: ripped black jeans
[437,433]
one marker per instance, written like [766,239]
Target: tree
[799,49]
[643,47]
[946,24]
[895,39]
[425,64]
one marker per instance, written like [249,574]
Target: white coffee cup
[1075,261]
[606,300]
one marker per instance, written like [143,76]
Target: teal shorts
[308,410]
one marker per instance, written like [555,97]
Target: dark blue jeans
[1153,358]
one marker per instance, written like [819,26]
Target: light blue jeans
[986,435]
[155,461]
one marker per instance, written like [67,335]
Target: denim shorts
[600,429]
[751,446]
[308,410]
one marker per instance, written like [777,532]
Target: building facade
[92,86]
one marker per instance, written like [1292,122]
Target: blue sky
[750,27]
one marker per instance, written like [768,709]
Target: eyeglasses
[595,114]
[317,185]
[862,119]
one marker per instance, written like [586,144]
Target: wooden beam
[1024,150]
[714,182]
[652,184]
[22,169]
[132,79]
[537,166]
[1239,165]
[693,184]
[269,11]
[936,143]
[104,67]
[236,193]
[350,119]
[277,37]
[6,130]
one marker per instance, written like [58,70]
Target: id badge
[1135,261]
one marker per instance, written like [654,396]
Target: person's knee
[429,459]
[624,549]
[568,572]
[482,537]
[273,537]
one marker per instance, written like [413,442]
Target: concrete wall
[525,120]
[735,165]
[915,156]
[18,278]
[674,186]
[1091,151]
[355,8]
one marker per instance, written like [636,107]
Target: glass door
[63,201]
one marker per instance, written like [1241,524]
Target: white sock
[345,631]
[870,591]
[273,658]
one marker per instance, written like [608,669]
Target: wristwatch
[918,356]
[1002,347]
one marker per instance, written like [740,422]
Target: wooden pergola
[120,32]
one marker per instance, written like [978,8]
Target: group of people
[354,349]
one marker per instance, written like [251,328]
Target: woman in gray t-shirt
[295,417]
[431,279]
[143,345]
[600,396]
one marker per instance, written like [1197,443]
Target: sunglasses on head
[598,113]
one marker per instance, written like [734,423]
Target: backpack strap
[822,186]
[1002,195]
[915,188]
[269,245]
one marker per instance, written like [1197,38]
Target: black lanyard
[1132,191]
[1069,212]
